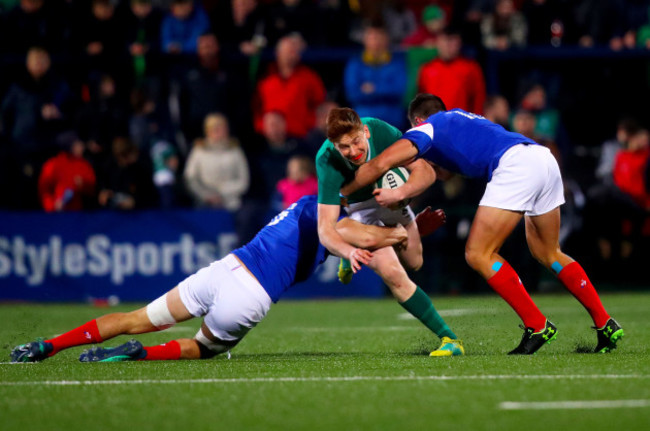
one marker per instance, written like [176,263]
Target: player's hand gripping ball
[392,180]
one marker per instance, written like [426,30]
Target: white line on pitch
[568,405]
[321,379]
[350,328]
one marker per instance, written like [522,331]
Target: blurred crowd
[131,104]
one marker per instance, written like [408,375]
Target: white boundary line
[573,405]
[321,379]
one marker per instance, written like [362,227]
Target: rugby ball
[393,179]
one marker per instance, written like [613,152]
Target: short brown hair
[341,121]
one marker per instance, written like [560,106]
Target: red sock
[168,351]
[575,279]
[507,284]
[88,333]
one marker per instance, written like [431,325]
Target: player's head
[348,134]
[423,106]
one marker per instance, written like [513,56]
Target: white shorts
[229,297]
[370,212]
[527,179]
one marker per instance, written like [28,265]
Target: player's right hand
[358,257]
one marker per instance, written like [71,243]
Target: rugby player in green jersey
[351,142]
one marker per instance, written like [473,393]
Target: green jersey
[334,170]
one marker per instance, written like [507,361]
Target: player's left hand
[389,198]
[357,257]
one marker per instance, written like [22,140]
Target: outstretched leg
[160,314]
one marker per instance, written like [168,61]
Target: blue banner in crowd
[134,256]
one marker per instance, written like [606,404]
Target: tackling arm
[327,218]
[421,177]
[400,153]
[369,236]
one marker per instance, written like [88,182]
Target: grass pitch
[344,365]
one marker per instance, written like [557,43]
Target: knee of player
[416,263]
[474,259]
[211,347]
[546,258]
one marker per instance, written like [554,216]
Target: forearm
[421,177]
[370,237]
[334,242]
[366,174]
[400,153]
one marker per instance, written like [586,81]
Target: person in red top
[630,169]
[457,80]
[66,178]
[290,88]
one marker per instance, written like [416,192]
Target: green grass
[344,365]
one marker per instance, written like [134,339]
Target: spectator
[207,88]
[434,21]
[457,80]
[285,17]
[101,42]
[630,169]
[525,122]
[142,39]
[300,180]
[505,27]
[273,154]
[217,173]
[607,204]
[497,110]
[104,117]
[33,110]
[182,26]
[626,128]
[399,20]
[31,23]
[631,172]
[290,88]
[165,167]
[376,80]
[535,101]
[125,180]
[600,23]
[239,26]
[147,122]
[67,180]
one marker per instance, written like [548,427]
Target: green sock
[420,306]
[345,263]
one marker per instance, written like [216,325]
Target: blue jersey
[287,250]
[463,143]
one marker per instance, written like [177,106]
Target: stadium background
[148,99]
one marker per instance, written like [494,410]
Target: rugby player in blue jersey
[232,294]
[523,180]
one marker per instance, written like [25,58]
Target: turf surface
[353,364]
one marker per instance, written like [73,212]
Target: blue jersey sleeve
[421,136]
